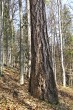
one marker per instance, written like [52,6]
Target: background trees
[12,36]
[58,42]
[51,52]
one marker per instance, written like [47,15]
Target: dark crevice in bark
[42,83]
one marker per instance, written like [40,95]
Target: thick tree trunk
[42,83]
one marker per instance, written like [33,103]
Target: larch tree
[42,83]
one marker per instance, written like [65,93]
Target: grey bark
[12,34]
[29,36]
[1,37]
[61,42]
[21,44]
[6,28]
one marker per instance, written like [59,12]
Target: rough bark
[42,83]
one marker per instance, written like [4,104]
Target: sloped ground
[16,97]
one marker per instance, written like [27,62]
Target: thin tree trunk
[21,44]
[29,36]
[1,37]
[61,42]
[12,31]
[53,31]
[54,50]
[6,27]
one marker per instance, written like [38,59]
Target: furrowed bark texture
[42,84]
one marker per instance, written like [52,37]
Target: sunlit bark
[42,83]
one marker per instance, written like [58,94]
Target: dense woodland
[36,55]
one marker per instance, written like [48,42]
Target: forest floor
[16,97]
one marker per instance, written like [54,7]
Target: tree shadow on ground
[61,106]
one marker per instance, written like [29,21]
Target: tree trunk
[61,42]
[6,31]
[1,37]
[12,33]
[29,36]
[42,83]
[21,44]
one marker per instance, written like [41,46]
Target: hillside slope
[16,97]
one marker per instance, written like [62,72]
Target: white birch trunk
[29,36]
[61,44]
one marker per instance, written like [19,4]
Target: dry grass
[16,97]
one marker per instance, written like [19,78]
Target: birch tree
[29,35]
[61,41]
[42,83]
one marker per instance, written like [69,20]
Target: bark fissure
[42,83]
